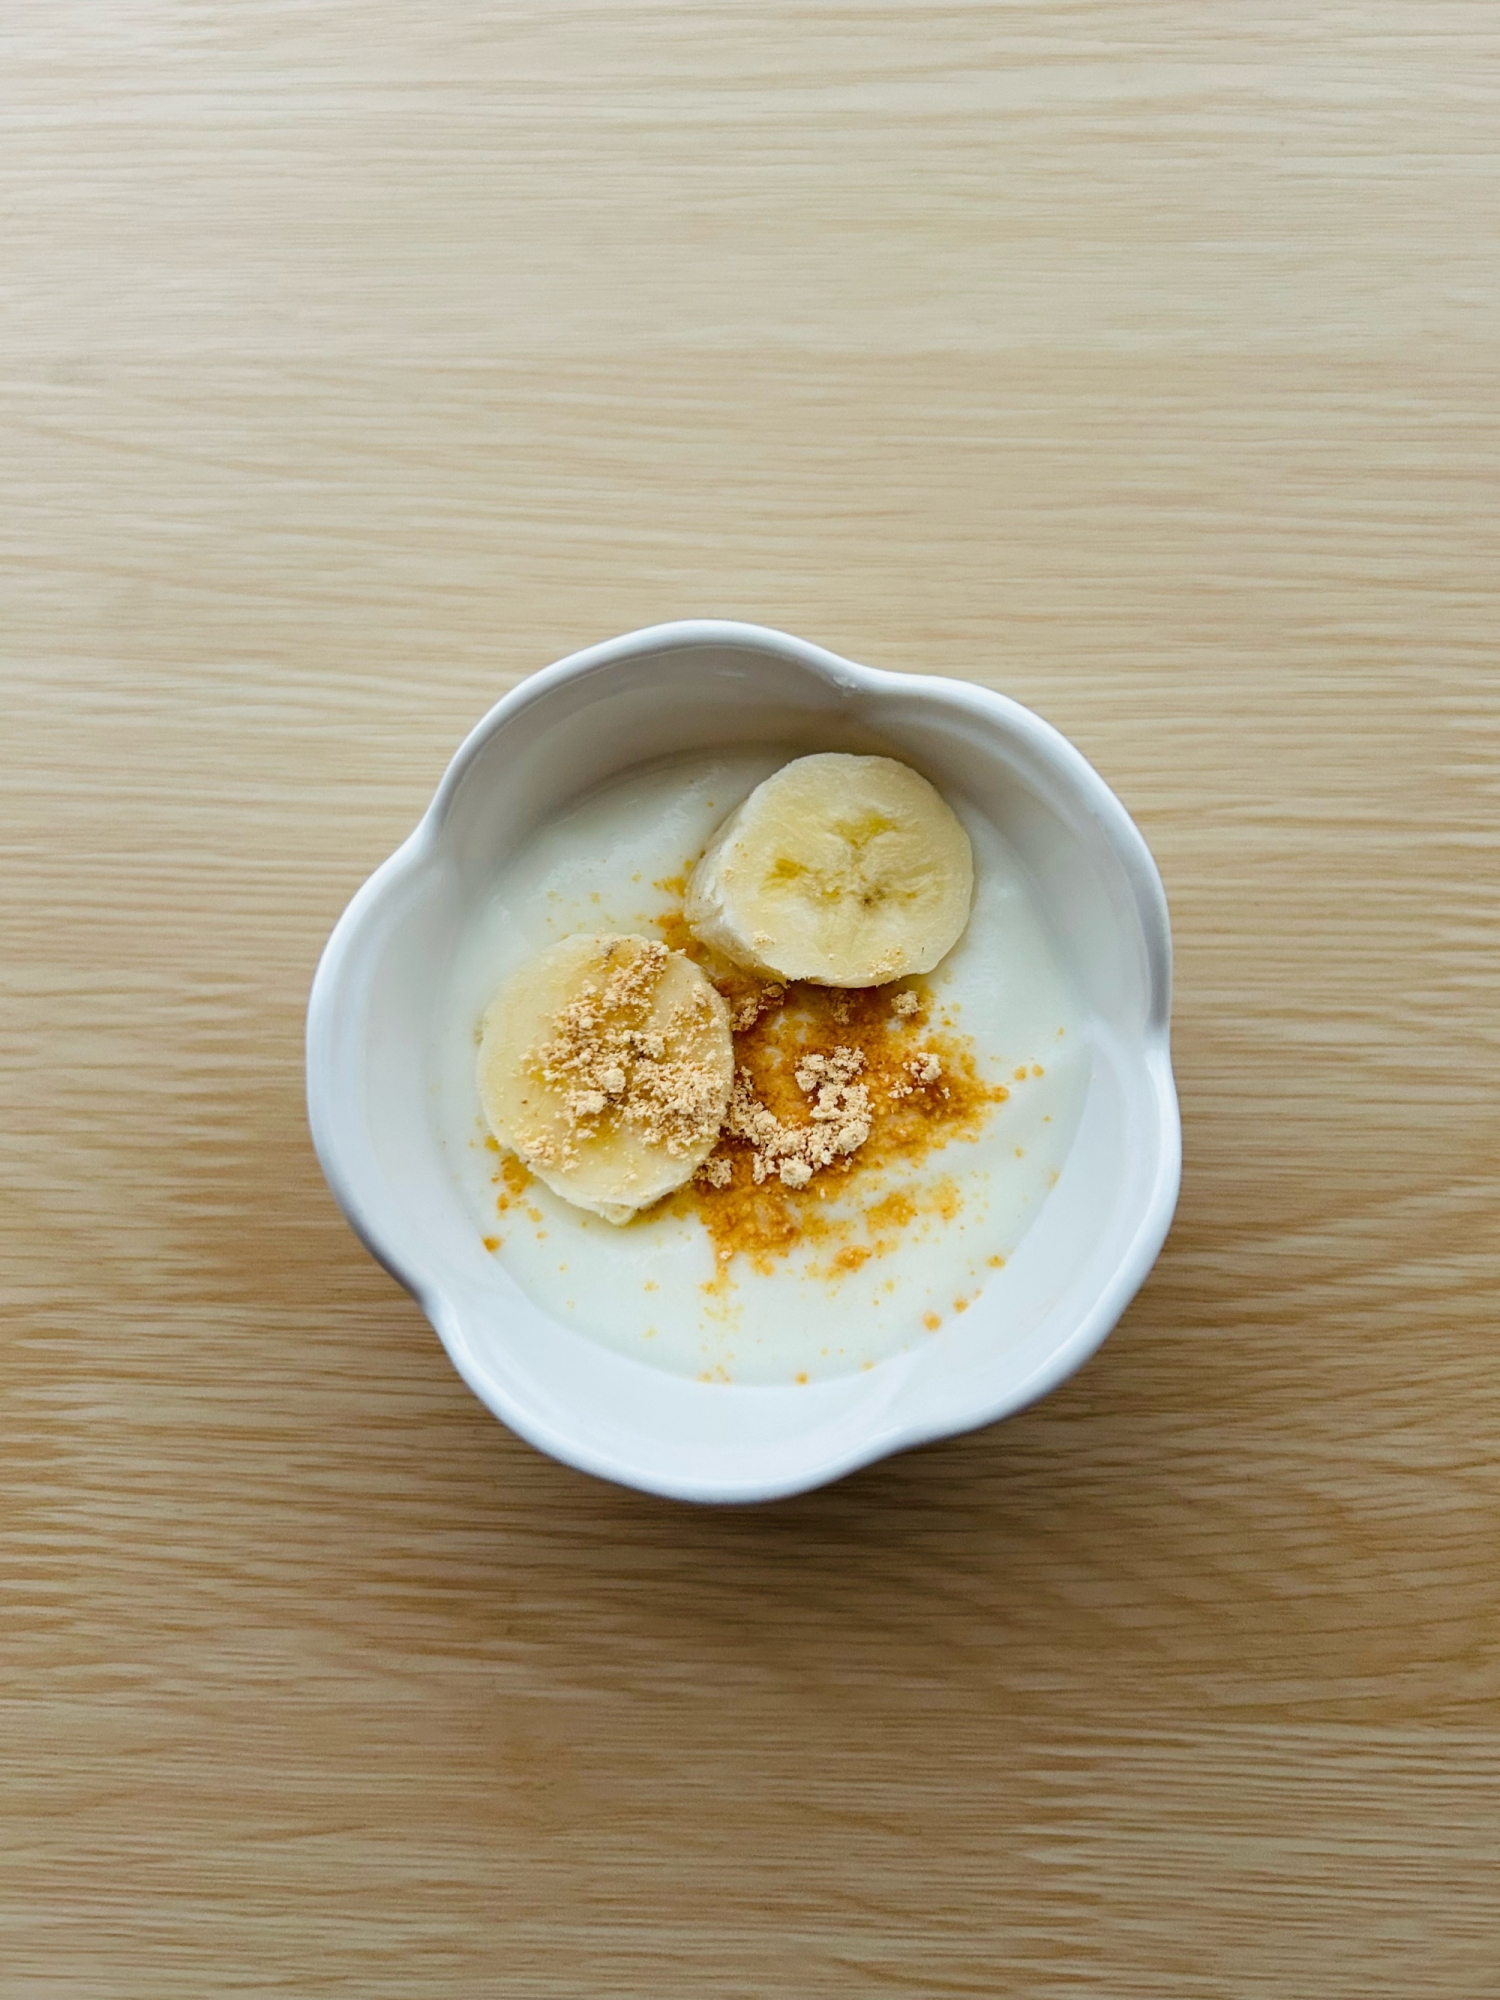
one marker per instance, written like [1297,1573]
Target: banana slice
[606,1064]
[846,871]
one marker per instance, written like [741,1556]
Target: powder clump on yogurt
[838,1122]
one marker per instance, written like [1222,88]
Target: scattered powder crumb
[608,1061]
[839,1118]
[996,1262]
[923,1069]
[946,1199]
[750,1009]
[864,1088]
[931,1322]
[490,1242]
[516,1181]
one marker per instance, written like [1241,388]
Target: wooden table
[1140,359]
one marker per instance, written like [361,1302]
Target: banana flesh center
[856,877]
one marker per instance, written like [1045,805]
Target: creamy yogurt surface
[899,1247]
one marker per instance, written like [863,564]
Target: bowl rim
[885,1437]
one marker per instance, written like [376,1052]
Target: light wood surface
[1139,359]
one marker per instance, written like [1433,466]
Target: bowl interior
[373,1028]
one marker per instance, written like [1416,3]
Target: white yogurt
[649,1288]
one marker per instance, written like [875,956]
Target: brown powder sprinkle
[828,1098]
[918,1072]
[610,1062]
[845,1055]
[748,1010]
[838,1120]
[516,1181]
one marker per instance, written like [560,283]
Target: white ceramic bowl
[372,1033]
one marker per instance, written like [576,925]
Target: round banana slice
[606,1064]
[846,871]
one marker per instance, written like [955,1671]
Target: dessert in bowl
[754,1063]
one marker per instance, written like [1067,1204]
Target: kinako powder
[776,1030]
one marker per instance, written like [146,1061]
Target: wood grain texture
[1138,357]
